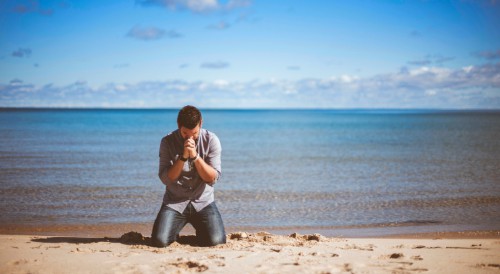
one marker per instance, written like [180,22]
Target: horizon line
[249,108]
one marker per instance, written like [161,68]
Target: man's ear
[201,123]
[178,125]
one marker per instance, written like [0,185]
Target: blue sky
[250,54]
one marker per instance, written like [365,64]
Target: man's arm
[209,168]
[170,169]
[175,170]
[165,162]
[206,172]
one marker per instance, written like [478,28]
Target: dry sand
[249,253]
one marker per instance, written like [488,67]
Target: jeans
[207,223]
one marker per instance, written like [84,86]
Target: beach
[388,191]
[259,252]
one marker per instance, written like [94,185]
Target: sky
[250,54]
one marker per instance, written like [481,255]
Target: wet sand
[244,252]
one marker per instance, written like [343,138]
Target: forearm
[175,170]
[207,173]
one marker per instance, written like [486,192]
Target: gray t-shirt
[189,187]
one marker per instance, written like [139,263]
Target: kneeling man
[190,164]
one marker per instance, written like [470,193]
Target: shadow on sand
[130,238]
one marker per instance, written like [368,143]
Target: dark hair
[189,117]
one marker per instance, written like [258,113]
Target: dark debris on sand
[134,238]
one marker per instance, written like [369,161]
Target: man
[190,164]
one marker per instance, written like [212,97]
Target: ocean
[336,171]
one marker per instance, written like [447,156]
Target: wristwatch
[195,158]
[182,158]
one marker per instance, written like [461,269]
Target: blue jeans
[207,223]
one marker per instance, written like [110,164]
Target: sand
[249,253]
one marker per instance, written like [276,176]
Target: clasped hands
[190,148]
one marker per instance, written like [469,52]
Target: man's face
[187,133]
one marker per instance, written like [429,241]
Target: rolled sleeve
[166,161]
[213,158]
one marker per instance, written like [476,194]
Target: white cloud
[424,87]
[232,4]
[347,78]
[431,92]
[221,83]
[197,6]
[121,87]
[200,5]
[16,82]
[467,69]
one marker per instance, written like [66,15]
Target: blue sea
[337,171]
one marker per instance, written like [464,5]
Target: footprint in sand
[406,270]
[160,251]
[427,247]
[396,256]
[417,258]
[82,250]
[19,262]
[121,254]
[369,247]
[215,256]
[132,268]
[216,259]
[497,266]
[189,265]
[392,256]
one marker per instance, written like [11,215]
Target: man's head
[189,122]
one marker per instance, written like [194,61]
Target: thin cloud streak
[219,26]
[22,52]
[432,59]
[32,6]
[488,55]
[215,65]
[151,33]
[415,33]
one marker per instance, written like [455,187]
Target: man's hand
[190,148]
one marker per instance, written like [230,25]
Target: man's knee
[159,241]
[214,240]
[219,240]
